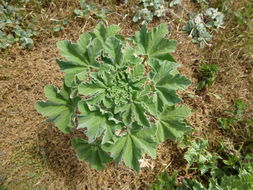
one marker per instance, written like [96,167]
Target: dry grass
[35,155]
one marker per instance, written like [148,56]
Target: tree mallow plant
[120,92]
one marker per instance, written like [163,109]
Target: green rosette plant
[120,92]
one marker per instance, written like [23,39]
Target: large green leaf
[166,82]
[93,52]
[94,122]
[165,93]
[91,153]
[153,44]
[80,57]
[90,89]
[71,71]
[161,68]
[164,75]
[137,72]
[59,107]
[149,104]
[102,33]
[173,82]
[75,52]
[131,147]
[171,123]
[129,57]
[164,97]
[113,49]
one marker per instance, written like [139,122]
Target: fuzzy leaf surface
[59,107]
[91,153]
[133,112]
[131,146]
[171,123]
[102,33]
[80,56]
[153,44]
[166,81]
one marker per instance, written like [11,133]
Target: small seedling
[235,115]
[89,9]
[201,1]
[6,41]
[150,9]
[85,9]
[213,18]
[208,74]
[175,2]
[24,37]
[199,26]
[59,24]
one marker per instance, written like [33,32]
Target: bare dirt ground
[35,155]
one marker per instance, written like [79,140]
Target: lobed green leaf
[171,123]
[131,146]
[91,153]
[153,44]
[59,107]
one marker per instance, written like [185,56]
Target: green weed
[208,74]
[200,26]
[91,10]
[12,27]
[230,173]
[59,25]
[234,115]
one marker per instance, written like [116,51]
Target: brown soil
[35,155]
